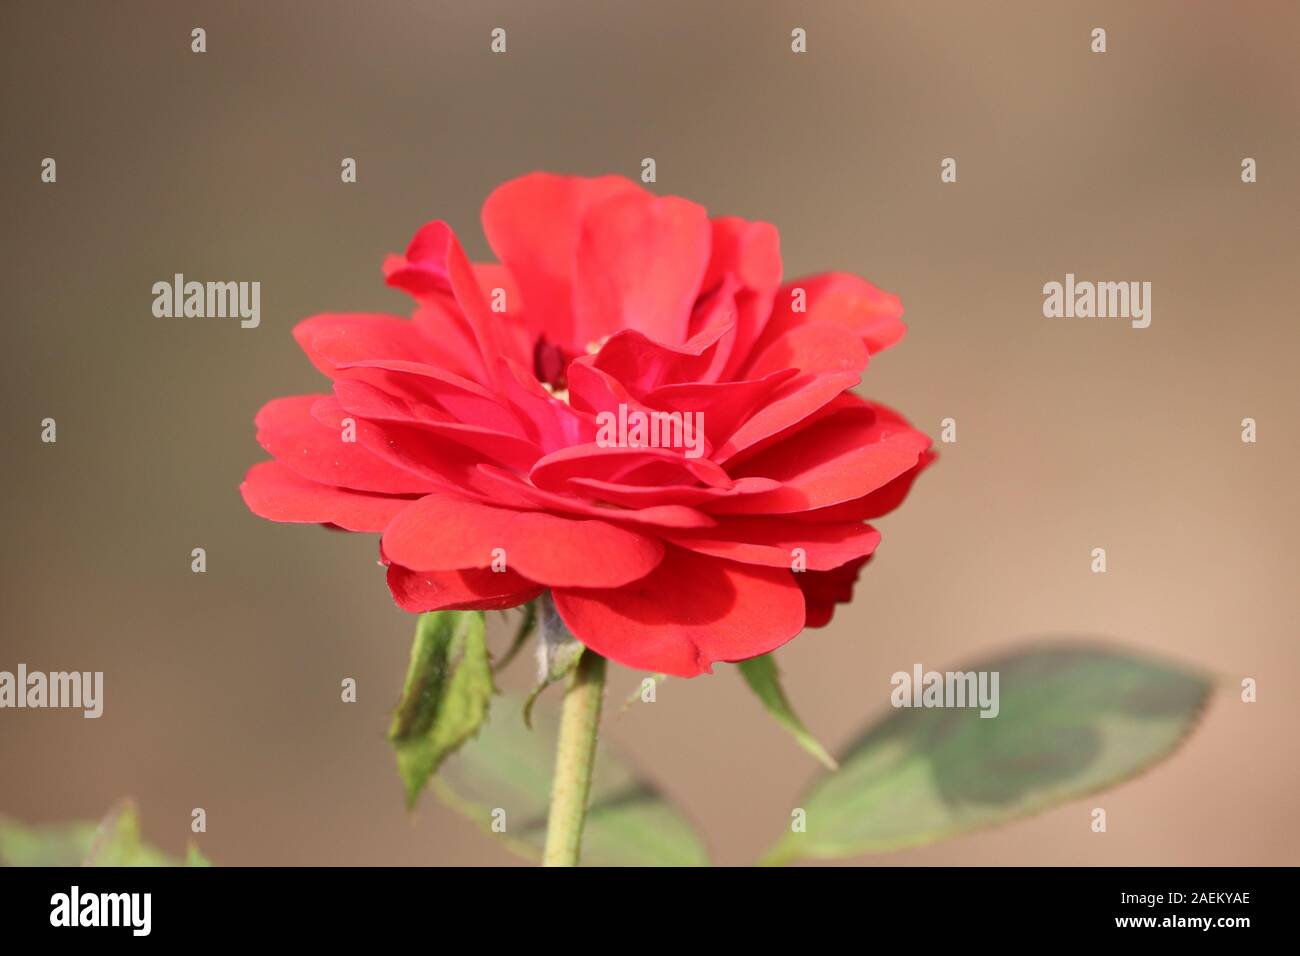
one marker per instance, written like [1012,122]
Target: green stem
[575,756]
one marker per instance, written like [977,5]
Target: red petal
[724,405]
[642,364]
[843,456]
[437,271]
[425,395]
[630,465]
[422,271]
[286,429]
[549,422]
[654,516]
[533,224]
[473,589]
[750,254]
[713,311]
[813,347]
[644,496]
[275,492]
[771,541]
[334,338]
[441,320]
[793,406]
[442,464]
[824,589]
[879,502]
[593,390]
[690,611]
[489,443]
[615,290]
[442,533]
[840,299]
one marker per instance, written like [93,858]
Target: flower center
[549,363]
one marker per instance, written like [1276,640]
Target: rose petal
[723,405]
[615,290]
[653,516]
[332,338]
[417,399]
[690,611]
[469,589]
[644,496]
[877,503]
[772,541]
[550,423]
[493,445]
[443,533]
[794,405]
[843,456]
[813,347]
[287,429]
[630,465]
[533,224]
[642,364]
[436,270]
[750,253]
[840,299]
[280,494]
[824,589]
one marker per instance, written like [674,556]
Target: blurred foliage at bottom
[113,841]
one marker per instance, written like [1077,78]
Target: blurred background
[222,689]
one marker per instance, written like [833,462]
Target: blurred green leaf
[509,769]
[763,678]
[117,842]
[1075,718]
[194,856]
[445,697]
[62,844]
[114,841]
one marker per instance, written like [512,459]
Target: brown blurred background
[223,688]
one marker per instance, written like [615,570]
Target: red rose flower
[478,437]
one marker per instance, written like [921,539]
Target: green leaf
[114,841]
[446,695]
[762,676]
[1074,718]
[63,844]
[509,769]
[194,856]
